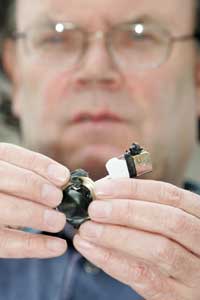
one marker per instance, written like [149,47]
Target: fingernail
[103,188]
[82,244]
[51,194]
[58,173]
[100,209]
[91,230]
[56,245]
[53,219]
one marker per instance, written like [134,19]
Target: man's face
[86,114]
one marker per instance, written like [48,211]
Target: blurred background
[9,125]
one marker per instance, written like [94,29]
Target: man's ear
[9,61]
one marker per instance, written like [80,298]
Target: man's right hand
[30,188]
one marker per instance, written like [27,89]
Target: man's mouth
[98,117]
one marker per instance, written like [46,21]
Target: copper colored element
[141,160]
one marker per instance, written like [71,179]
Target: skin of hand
[30,189]
[145,234]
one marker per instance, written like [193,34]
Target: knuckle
[153,286]
[122,238]
[165,252]
[179,265]
[134,187]
[176,195]
[179,223]
[34,160]
[107,257]
[10,211]
[129,213]
[138,272]
[176,262]
[34,246]
[30,181]
[157,286]
[31,216]
[158,289]
[30,244]
[171,194]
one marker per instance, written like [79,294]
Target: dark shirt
[69,277]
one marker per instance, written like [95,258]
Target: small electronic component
[135,162]
[79,192]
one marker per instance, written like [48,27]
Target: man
[89,78]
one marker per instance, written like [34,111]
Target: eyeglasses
[132,46]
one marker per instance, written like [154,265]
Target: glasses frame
[107,36]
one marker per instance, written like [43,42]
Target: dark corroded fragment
[76,199]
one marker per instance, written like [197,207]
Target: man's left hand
[147,235]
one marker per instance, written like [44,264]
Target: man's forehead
[91,12]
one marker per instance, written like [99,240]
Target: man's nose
[97,68]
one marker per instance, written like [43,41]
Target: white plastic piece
[117,168]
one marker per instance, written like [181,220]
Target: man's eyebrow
[144,19]
[47,20]
[42,20]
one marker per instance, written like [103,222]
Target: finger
[22,213]
[145,280]
[36,162]
[150,191]
[19,244]
[168,221]
[167,256]
[28,185]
